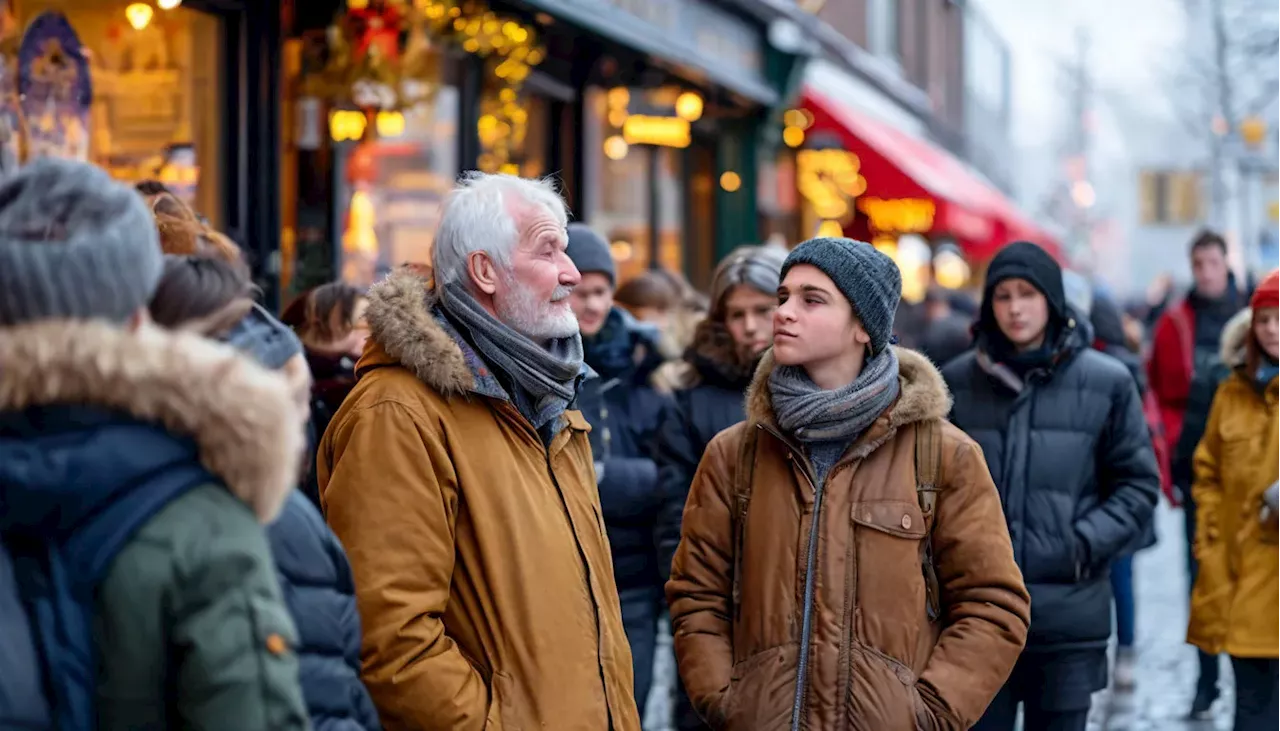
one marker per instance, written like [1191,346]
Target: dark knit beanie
[868,278]
[1024,260]
[590,252]
[74,244]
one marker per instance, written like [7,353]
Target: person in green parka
[137,467]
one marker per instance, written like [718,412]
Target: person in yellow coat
[1236,600]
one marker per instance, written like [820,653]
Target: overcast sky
[1133,43]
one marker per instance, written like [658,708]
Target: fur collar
[1234,337]
[402,322]
[923,396]
[245,422]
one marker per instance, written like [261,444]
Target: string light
[139,15]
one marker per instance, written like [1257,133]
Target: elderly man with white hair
[459,478]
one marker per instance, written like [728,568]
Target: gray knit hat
[590,252]
[758,267]
[74,244]
[869,279]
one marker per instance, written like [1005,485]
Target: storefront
[650,114]
[182,92]
[877,180]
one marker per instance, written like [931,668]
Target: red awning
[899,165]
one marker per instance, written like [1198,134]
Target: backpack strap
[742,482]
[928,465]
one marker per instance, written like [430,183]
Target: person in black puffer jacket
[712,380]
[213,298]
[1063,432]
[624,410]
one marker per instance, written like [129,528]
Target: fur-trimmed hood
[242,418]
[923,395]
[403,329]
[1235,335]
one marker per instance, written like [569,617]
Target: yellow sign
[641,129]
[899,215]
[829,181]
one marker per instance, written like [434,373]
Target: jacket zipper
[810,573]
[806,617]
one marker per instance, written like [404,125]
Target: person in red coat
[1187,333]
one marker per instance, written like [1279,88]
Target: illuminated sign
[641,129]
[829,181]
[347,124]
[900,215]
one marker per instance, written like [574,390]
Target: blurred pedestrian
[1235,601]
[202,295]
[136,466]
[947,333]
[650,297]
[690,309]
[625,411]
[1231,356]
[839,425]
[459,478]
[1109,337]
[1186,336]
[712,380]
[330,321]
[1062,430]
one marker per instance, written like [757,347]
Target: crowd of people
[468,497]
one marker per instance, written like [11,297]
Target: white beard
[537,320]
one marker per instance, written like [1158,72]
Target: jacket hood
[923,396]
[403,330]
[193,402]
[1234,337]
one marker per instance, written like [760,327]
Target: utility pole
[1075,150]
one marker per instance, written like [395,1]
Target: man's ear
[483,272]
[860,334]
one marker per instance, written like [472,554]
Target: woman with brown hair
[329,320]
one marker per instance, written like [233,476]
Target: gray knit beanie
[74,244]
[590,252]
[758,267]
[869,279]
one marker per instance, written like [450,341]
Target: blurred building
[902,128]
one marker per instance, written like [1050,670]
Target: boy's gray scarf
[814,415]
[548,376]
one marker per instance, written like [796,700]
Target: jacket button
[906,522]
[276,644]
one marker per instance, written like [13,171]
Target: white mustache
[561,293]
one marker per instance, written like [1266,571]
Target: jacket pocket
[761,690]
[502,716]
[891,582]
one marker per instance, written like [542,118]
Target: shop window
[155,84]
[391,188]
[1170,198]
[620,182]
[882,29]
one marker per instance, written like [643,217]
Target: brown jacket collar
[405,331]
[243,418]
[923,396]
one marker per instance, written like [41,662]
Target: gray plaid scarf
[814,415]
[547,377]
